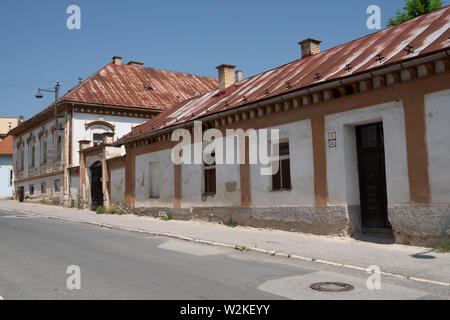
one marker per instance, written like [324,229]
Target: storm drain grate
[332,286]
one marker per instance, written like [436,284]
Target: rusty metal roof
[133,87]
[425,34]
[136,86]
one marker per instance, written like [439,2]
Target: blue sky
[187,36]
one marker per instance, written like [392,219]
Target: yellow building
[7,124]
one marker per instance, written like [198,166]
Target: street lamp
[39,95]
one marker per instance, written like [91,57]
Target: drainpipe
[69,142]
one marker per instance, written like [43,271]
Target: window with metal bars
[97,139]
[58,148]
[209,173]
[281,180]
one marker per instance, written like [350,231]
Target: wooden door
[372,176]
[96,186]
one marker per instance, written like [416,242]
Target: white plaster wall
[117,185]
[342,170]
[226,175]
[166,178]
[437,115]
[123,125]
[302,171]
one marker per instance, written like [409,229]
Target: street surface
[35,254]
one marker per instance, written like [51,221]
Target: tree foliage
[412,9]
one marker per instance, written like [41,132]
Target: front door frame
[376,150]
[96,186]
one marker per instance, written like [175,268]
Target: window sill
[205,196]
[282,190]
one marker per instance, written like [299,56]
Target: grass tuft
[443,247]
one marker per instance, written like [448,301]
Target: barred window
[97,139]
[209,172]
[57,185]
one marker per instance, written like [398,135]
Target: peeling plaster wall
[437,115]
[165,177]
[75,188]
[50,196]
[117,186]
[302,171]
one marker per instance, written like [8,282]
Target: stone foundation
[331,220]
[420,225]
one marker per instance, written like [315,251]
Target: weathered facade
[365,132]
[48,164]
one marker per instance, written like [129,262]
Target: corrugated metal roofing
[425,34]
[135,86]
[129,86]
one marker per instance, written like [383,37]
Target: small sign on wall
[332,140]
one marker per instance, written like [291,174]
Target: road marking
[227,245]
[189,248]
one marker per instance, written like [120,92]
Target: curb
[237,247]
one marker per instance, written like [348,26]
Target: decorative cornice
[101,123]
[30,139]
[42,133]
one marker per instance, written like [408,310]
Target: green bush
[100,210]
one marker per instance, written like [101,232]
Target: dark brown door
[96,186]
[372,176]
[21,194]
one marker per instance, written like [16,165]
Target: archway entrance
[21,194]
[96,185]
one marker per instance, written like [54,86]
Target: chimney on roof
[21,119]
[238,76]
[117,60]
[135,63]
[310,47]
[226,75]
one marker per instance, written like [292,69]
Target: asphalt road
[35,254]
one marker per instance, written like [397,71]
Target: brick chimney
[310,47]
[117,60]
[226,76]
[21,119]
[238,75]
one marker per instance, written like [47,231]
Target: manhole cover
[332,286]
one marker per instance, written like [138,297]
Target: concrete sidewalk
[414,263]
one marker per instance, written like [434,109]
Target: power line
[24,84]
